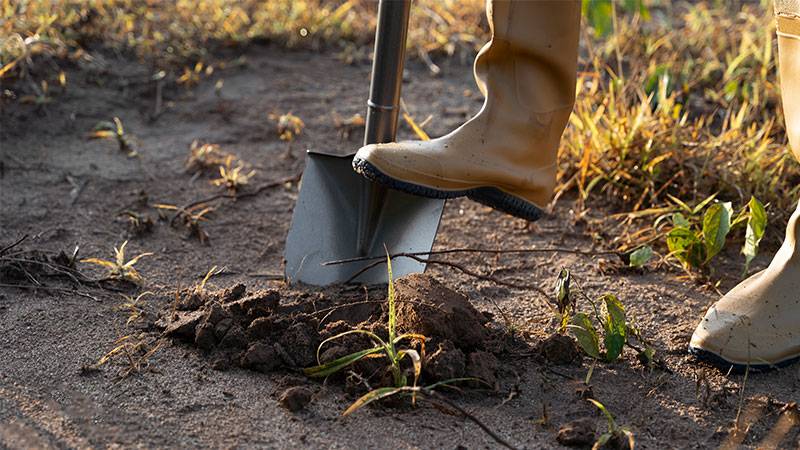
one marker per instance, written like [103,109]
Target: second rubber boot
[505,156]
[757,323]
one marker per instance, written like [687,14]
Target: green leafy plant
[617,331]
[695,240]
[119,268]
[616,436]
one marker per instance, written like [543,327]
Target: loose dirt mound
[271,330]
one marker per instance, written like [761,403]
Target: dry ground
[180,402]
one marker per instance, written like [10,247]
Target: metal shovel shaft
[383,106]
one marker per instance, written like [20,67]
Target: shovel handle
[387,71]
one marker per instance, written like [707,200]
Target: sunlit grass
[677,100]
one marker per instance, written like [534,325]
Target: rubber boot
[505,156]
[757,323]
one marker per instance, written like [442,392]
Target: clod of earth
[578,433]
[483,365]
[426,306]
[559,349]
[266,331]
[295,398]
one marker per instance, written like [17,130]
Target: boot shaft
[532,57]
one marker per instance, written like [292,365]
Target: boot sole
[737,368]
[489,196]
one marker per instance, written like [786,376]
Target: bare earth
[179,401]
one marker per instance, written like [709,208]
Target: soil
[218,367]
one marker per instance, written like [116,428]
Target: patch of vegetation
[608,316]
[667,107]
[616,437]
[232,178]
[115,131]
[119,268]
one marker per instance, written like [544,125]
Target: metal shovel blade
[325,226]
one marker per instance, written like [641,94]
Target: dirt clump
[295,398]
[578,433]
[270,330]
[559,349]
[445,363]
[428,307]
[483,365]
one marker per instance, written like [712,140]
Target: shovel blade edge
[325,226]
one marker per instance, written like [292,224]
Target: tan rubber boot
[505,156]
[757,323]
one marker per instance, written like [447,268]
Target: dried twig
[5,249]
[437,397]
[453,265]
[184,208]
[473,250]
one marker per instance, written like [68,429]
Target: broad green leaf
[599,15]
[716,225]
[584,332]
[756,224]
[641,256]
[614,326]
[329,368]
[684,244]
[679,220]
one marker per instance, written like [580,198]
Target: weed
[135,350]
[347,126]
[192,219]
[138,224]
[231,177]
[119,268]
[114,130]
[203,157]
[288,125]
[134,307]
[616,436]
[192,77]
[694,242]
[617,331]
[387,347]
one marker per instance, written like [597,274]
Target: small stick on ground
[472,250]
[442,399]
[182,209]
[5,249]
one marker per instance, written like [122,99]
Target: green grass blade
[392,312]
[329,368]
[376,394]
[372,336]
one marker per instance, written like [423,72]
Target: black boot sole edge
[489,196]
[725,365]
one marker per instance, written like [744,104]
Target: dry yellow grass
[680,98]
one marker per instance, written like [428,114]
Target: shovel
[340,215]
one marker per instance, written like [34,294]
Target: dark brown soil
[190,391]
[264,332]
